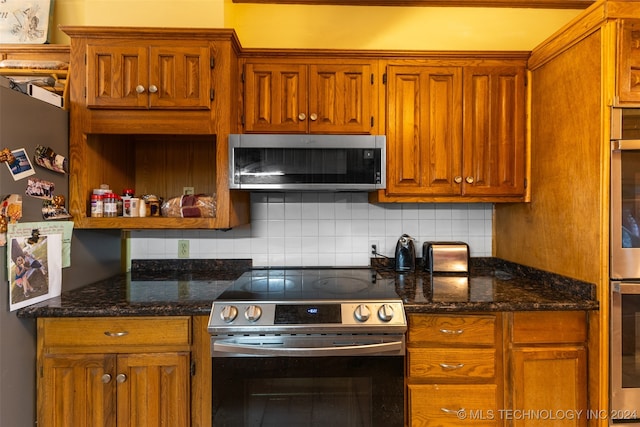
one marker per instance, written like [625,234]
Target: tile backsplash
[324,229]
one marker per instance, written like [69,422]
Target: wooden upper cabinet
[275,97]
[340,98]
[424,134]
[628,84]
[294,97]
[494,131]
[455,132]
[169,75]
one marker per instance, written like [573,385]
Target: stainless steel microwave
[307,162]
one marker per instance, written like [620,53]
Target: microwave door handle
[347,350]
[625,144]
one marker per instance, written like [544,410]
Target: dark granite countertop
[188,288]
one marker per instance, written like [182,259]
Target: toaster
[446,257]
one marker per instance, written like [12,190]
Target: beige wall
[333,27]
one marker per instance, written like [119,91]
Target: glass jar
[110,205]
[97,206]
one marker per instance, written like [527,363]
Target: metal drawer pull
[450,367]
[116,334]
[120,378]
[452,331]
[106,378]
[452,411]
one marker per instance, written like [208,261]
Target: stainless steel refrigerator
[26,122]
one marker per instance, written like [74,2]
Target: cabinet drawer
[463,329]
[81,331]
[439,363]
[453,405]
[537,327]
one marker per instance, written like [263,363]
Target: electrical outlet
[183,249]
[374,247]
[188,191]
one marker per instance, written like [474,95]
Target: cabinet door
[179,77]
[154,390]
[551,379]
[340,98]
[494,131]
[275,98]
[629,61]
[424,137]
[113,75]
[79,391]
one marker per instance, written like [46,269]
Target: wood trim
[542,4]
[304,55]
[201,384]
[580,28]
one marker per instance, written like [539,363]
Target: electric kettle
[405,254]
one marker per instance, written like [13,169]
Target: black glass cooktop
[310,284]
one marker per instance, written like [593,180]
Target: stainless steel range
[308,347]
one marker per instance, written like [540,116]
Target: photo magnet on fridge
[21,167]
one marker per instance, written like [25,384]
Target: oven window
[308,391]
[630,199]
[630,341]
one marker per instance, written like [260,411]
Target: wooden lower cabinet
[548,369]
[150,389]
[515,369]
[127,382]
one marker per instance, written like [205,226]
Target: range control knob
[385,312]
[362,313]
[228,313]
[253,313]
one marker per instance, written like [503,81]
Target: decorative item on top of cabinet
[628,58]
[455,133]
[454,369]
[327,96]
[118,371]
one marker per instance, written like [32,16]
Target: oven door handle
[625,144]
[231,349]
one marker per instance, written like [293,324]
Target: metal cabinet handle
[120,378]
[452,411]
[452,331]
[451,367]
[302,116]
[457,179]
[469,180]
[153,89]
[116,334]
[313,117]
[140,89]
[106,378]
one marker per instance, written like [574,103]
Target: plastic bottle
[143,208]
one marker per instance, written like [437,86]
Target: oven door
[625,193]
[625,209]
[625,351]
[281,381]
